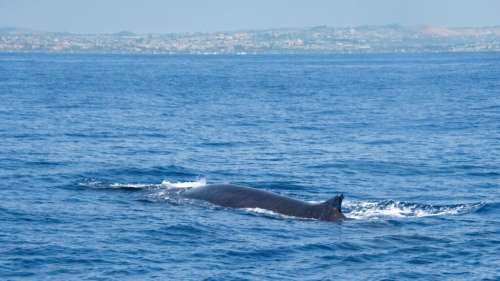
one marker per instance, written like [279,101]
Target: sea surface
[93,146]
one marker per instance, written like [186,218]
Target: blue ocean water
[91,145]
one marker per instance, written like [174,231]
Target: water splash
[169,191]
[188,184]
[396,209]
[366,210]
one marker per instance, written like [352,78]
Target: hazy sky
[99,16]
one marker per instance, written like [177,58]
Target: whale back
[234,196]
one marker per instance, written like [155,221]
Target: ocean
[92,146]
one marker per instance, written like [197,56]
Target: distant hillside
[318,39]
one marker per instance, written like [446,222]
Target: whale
[235,196]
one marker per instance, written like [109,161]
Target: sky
[165,16]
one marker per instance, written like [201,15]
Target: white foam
[188,184]
[395,209]
[261,211]
[131,185]
[164,184]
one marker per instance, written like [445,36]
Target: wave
[396,209]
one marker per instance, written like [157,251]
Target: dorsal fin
[335,202]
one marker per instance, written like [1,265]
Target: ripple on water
[94,145]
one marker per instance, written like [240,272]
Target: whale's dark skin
[234,196]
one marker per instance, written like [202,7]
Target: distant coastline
[318,39]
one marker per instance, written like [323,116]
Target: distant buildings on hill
[319,39]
